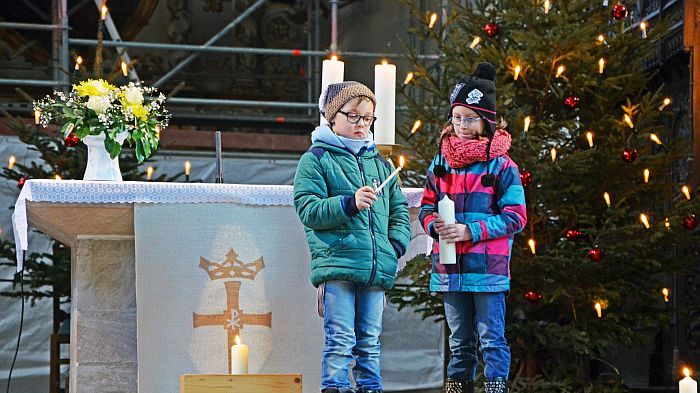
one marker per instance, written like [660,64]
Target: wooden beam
[176,138]
[691,41]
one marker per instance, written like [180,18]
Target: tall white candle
[385,92]
[448,251]
[687,384]
[239,358]
[333,72]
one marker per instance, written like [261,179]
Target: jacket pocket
[340,244]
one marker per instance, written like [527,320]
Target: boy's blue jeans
[472,316]
[352,322]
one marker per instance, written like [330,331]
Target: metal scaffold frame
[61,44]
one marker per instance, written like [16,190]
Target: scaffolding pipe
[60,42]
[214,101]
[243,50]
[30,82]
[211,41]
[27,26]
[334,26]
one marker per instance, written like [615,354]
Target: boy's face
[467,123]
[359,109]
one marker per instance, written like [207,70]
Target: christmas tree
[608,220]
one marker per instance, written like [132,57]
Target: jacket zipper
[371,227]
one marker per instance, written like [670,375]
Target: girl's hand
[438,223]
[364,198]
[453,233]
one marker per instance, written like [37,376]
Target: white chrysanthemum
[98,104]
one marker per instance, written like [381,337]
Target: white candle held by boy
[396,172]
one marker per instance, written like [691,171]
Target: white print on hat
[474,96]
[458,87]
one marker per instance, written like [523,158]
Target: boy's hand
[453,233]
[364,198]
[438,223]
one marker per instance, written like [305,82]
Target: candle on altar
[188,167]
[332,72]
[11,163]
[687,384]
[385,92]
[149,173]
[448,251]
[239,358]
[394,173]
[125,69]
[103,17]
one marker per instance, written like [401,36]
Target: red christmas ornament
[571,102]
[596,254]
[20,182]
[525,178]
[629,155]
[71,140]
[619,11]
[574,235]
[491,29]
[690,222]
[533,296]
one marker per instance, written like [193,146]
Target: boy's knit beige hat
[337,94]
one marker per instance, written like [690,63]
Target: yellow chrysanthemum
[93,88]
[139,111]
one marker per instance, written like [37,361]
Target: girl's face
[466,123]
[354,119]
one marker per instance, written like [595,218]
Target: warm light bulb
[527,123]
[560,70]
[57,177]
[686,191]
[149,172]
[643,218]
[665,103]
[553,152]
[598,309]
[589,136]
[667,223]
[656,139]
[531,243]
[628,120]
[646,175]
[416,126]
[158,132]
[408,79]
[188,167]
[547,6]
[433,19]
[665,293]
[601,38]
[78,62]
[125,69]
[475,42]
[104,12]
[606,196]
[643,26]
[11,163]
[601,65]
[517,72]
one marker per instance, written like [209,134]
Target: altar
[166,275]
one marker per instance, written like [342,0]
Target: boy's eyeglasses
[456,120]
[354,118]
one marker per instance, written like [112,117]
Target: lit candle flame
[125,69]
[643,218]
[104,12]
[598,309]
[37,117]
[589,136]
[149,172]
[628,120]
[547,5]
[686,371]
[384,62]
[517,72]
[57,177]
[560,70]
[527,123]
[475,42]
[553,152]
[334,58]
[402,161]
[646,175]
[531,243]
[78,62]
[238,340]
[601,65]
[12,162]
[408,79]
[433,19]
[188,167]
[665,103]
[606,196]
[656,139]
[686,191]
[665,293]
[416,126]
[643,26]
